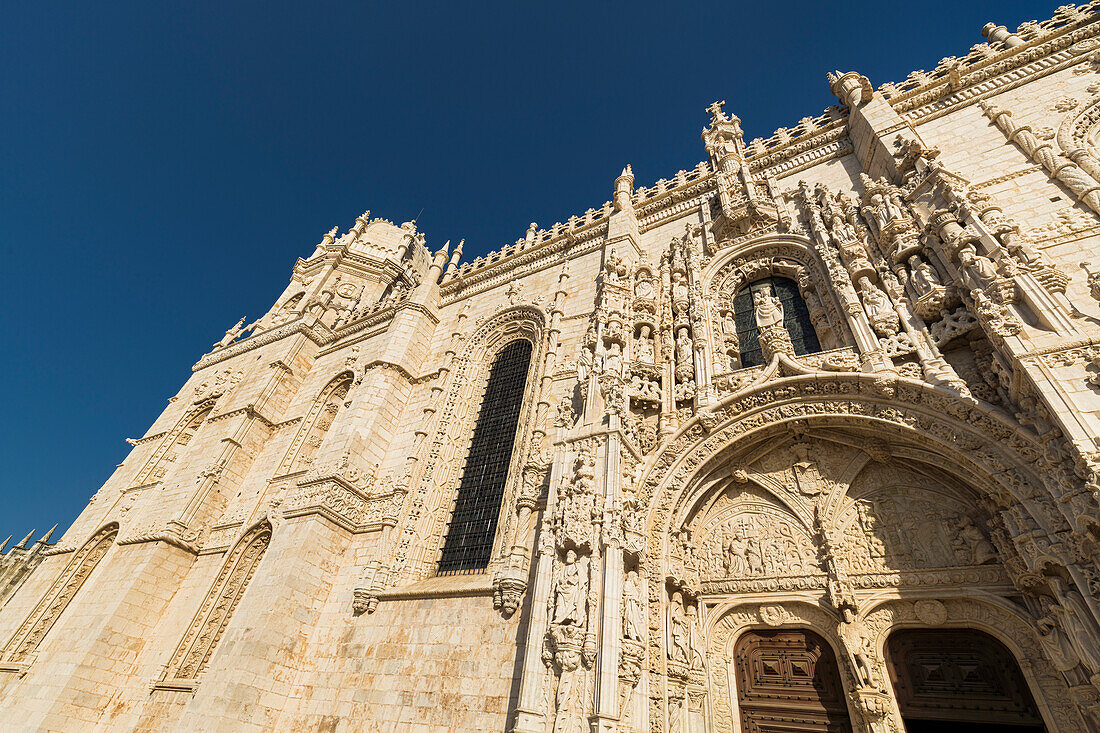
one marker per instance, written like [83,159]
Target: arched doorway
[787,680]
[958,679]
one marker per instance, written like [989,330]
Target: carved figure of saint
[735,551]
[878,211]
[695,639]
[892,207]
[684,347]
[569,593]
[677,630]
[584,364]
[971,545]
[769,309]
[1073,614]
[753,557]
[633,609]
[613,360]
[1059,649]
[854,634]
[679,292]
[923,274]
[873,298]
[982,267]
[643,347]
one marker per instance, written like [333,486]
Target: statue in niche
[892,207]
[684,347]
[878,212]
[729,329]
[643,287]
[982,267]
[643,347]
[873,298]
[677,630]
[679,293]
[1073,614]
[1058,647]
[613,360]
[925,279]
[614,268]
[769,309]
[634,623]
[695,639]
[569,593]
[971,545]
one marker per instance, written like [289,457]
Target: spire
[456,256]
[26,539]
[46,537]
[5,543]
[624,190]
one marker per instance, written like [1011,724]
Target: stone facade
[819,395]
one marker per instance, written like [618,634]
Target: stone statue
[924,275]
[1058,648]
[857,640]
[613,360]
[769,309]
[231,335]
[1073,614]
[970,544]
[643,347]
[696,649]
[677,630]
[982,267]
[634,625]
[684,347]
[569,594]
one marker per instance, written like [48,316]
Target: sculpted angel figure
[569,594]
[769,309]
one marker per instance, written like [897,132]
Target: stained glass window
[474,521]
[796,319]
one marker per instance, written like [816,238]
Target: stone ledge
[450,586]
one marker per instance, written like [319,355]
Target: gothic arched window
[176,446]
[316,424]
[206,629]
[473,523]
[796,319]
[60,594]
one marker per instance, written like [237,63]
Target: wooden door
[788,681]
[958,679]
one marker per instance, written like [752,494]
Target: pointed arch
[60,595]
[206,629]
[316,424]
[417,553]
[469,540]
[174,444]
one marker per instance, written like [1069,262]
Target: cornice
[316,332]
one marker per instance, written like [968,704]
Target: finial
[46,537]
[5,543]
[26,539]
[716,113]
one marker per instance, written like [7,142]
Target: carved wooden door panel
[958,679]
[788,681]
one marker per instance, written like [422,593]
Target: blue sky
[163,164]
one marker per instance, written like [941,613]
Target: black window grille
[474,521]
[796,319]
